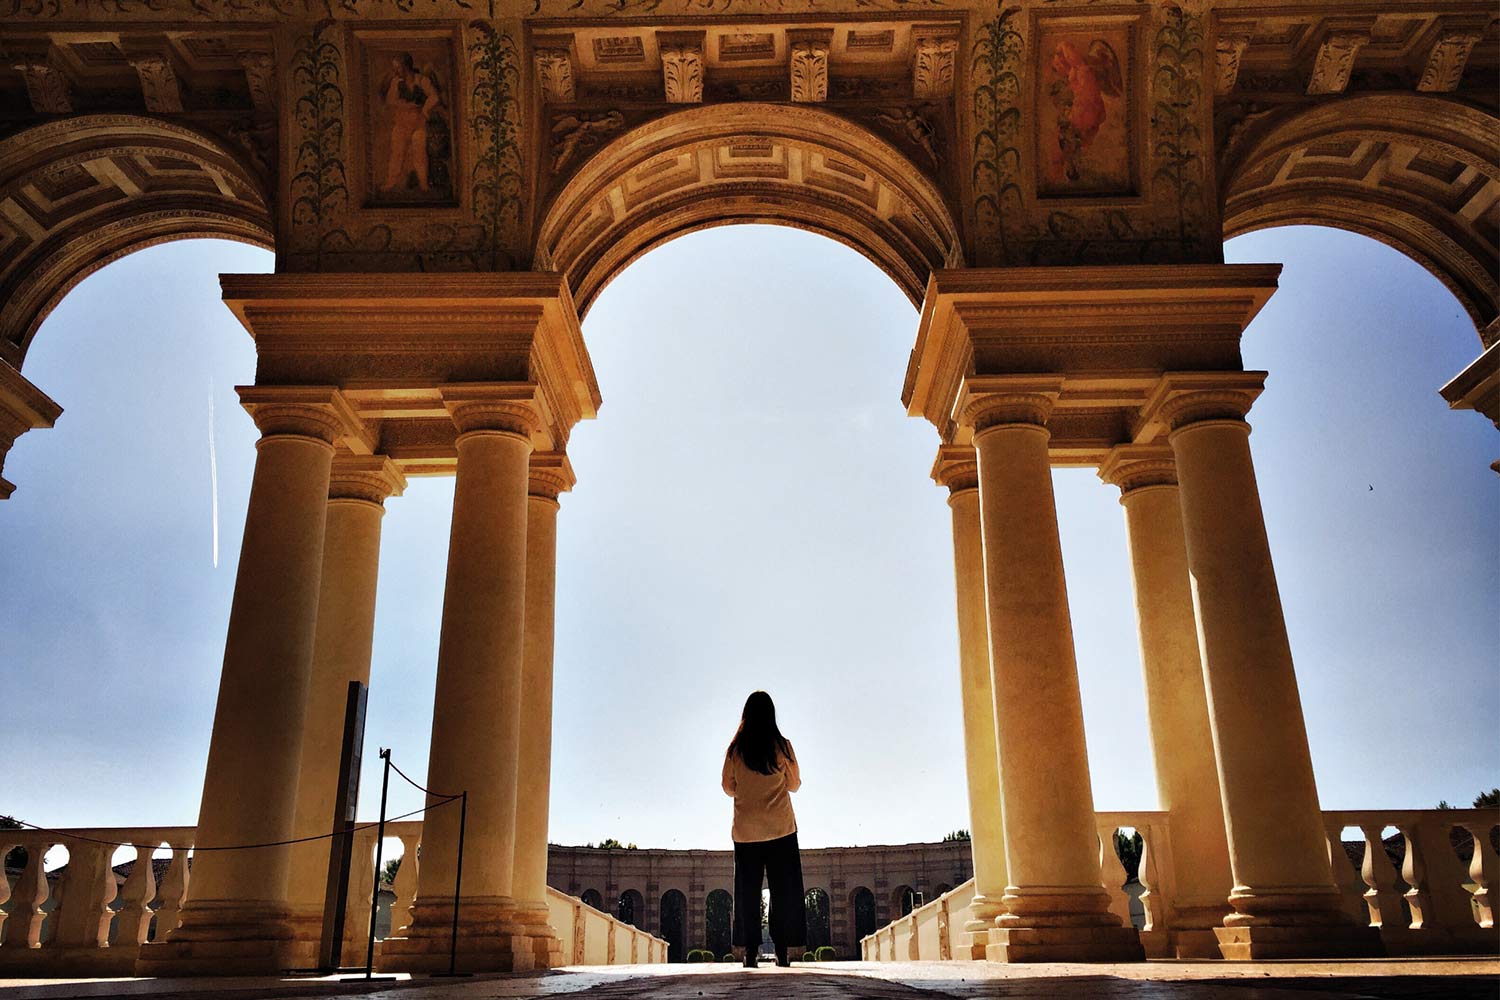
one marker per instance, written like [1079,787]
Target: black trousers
[780,863]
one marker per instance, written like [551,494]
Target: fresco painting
[410,138]
[1084,140]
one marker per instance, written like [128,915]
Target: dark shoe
[750,962]
[782,959]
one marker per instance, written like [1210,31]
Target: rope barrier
[64,836]
[418,787]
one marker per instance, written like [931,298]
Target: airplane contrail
[213,471]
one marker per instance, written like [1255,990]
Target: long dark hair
[758,742]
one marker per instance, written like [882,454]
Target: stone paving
[1444,979]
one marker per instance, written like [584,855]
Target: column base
[1254,942]
[488,940]
[1064,944]
[971,946]
[1193,942]
[546,945]
[307,938]
[223,939]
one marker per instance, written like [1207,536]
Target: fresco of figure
[1082,79]
[411,99]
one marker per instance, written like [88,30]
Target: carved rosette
[1335,62]
[809,70]
[260,78]
[365,479]
[682,72]
[1445,63]
[554,73]
[46,86]
[159,84]
[1228,52]
[933,59]
[551,474]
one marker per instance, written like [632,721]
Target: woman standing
[760,773]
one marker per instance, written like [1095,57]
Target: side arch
[1417,173]
[80,192]
[745,163]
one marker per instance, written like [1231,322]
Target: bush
[700,955]
[824,954]
[807,956]
[729,957]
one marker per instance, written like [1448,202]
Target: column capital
[550,474]
[369,478]
[1183,398]
[319,412]
[1137,467]
[499,406]
[990,401]
[957,468]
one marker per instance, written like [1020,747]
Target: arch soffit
[726,164]
[1416,173]
[80,192]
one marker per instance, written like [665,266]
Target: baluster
[1439,901]
[89,887]
[1350,885]
[405,886]
[5,848]
[136,894]
[362,879]
[173,891]
[1153,908]
[24,928]
[1383,897]
[1112,874]
[1484,872]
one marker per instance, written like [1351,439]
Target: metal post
[385,784]
[458,881]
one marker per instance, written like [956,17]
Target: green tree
[1488,800]
[388,871]
[17,857]
[1129,849]
[955,836]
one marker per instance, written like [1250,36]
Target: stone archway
[78,193]
[1417,173]
[745,163]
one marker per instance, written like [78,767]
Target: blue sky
[753,510]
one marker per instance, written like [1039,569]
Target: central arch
[748,163]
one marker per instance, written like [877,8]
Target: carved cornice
[934,51]
[317,412]
[553,58]
[551,474]
[1446,61]
[160,87]
[1335,62]
[46,85]
[957,468]
[682,66]
[1137,467]
[1228,52]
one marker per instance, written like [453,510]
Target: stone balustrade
[1414,885]
[91,916]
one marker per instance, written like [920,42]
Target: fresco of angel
[1085,81]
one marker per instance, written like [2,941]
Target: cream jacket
[762,802]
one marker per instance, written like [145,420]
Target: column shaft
[1057,909]
[1187,778]
[236,921]
[1277,849]
[341,653]
[982,765]
[476,713]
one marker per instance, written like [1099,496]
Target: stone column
[957,469]
[1187,778]
[477,710]
[1285,901]
[237,919]
[550,475]
[357,491]
[1056,908]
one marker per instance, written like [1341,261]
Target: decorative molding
[1335,62]
[46,86]
[554,70]
[319,186]
[1212,404]
[934,52]
[510,408]
[808,63]
[160,87]
[682,67]
[1446,62]
[1136,467]
[957,468]
[550,475]
[367,478]
[260,79]
[317,412]
[984,410]
[497,180]
[572,134]
[1227,55]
